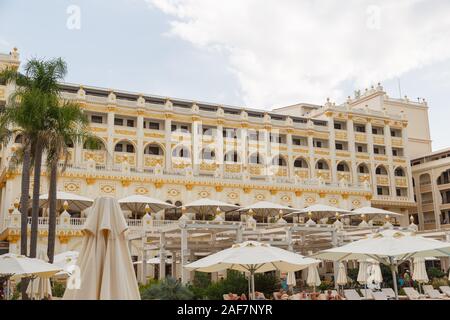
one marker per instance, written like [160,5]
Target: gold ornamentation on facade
[345,196]
[107,188]
[90,181]
[273,192]
[233,195]
[126,183]
[219,188]
[204,194]
[141,190]
[154,135]
[173,192]
[63,239]
[247,190]
[152,161]
[322,195]
[298,193]
[72,187]
[159,184]
[189,186]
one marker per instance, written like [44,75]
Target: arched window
[425,179]
[381,170]
[343,167]
[322,165]
[255,158]
[300,163]
[181,152]
[444,178]
[231,156]
[94,145]
[399,172]
[363,169]
[124,146]
[153,149]
[279,161]
[208,154]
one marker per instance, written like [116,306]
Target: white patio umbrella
[341,279]
[252,257]
[313,277]
[137,203]
[267,209]
[320,211]
[75,201]
[40,287]
[375,275]
[363,272]
[373,213]
[420,271]
[106,270]
[21,266]
[291,281]
[207,206]
[389,247]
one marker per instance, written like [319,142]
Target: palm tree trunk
[35,203]
[52,211]
[24,199]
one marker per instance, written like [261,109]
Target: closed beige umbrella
[106,269]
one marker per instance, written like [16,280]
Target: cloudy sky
[254,53]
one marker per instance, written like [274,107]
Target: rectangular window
[130,123]
[184,128]
[393,133]
[376,150]
[153,125]
[118,122]
[96,119]
[394,153]
[374,131]
[360,129]
[318,144]
[118,148]
[379,191]
[173,127]
[296,142]
[398,192]
[338,126]
[360,149]
[130,148]
[339,146]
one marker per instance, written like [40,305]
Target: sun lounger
[433,293]
[445,290]
[379,295]
[351,294]
[412,294]
[367,293]
[389,292]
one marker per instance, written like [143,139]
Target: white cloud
[288,51]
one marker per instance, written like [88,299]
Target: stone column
[391,167]
[436,198]
[140,141]
[312,164]
[373,176]
[408,165]
[196,143]
[219,143]
[110,143]
[290,158]
[352,149]
[168,143]
[162,256]
[185,274]
[332,146]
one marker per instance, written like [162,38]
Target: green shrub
[58,289]
[168,289]
[326,285]
[437,282]
[235,283]
[435,273]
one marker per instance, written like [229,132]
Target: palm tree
[69,124]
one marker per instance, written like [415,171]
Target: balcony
[98,127]
[340,134]
[322,151]
[300,150]
[401,182]
[302,173]
[122,157]
[382,180]
[324,174]
[150,161]
[256,169]
[396,142]
[208,166]
[362,177]
[154,134]
[361,137]
[99,156]
[344,175]
[342,153]
[445,186]
[399,160]
[378,140]
[382,158]
[362,156]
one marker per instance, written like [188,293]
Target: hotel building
[350,155]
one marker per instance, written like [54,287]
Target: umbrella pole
[394,278]
[253,284]
[249,286]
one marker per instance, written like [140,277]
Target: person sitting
[279,294]
[231,296]
[243,297]
[259,296]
